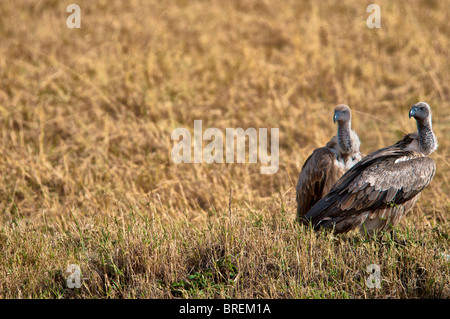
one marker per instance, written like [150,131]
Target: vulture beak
[336,116]
[412,112]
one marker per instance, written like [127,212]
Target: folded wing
[317,176]
[382,180]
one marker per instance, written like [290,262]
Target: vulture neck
[427,139]
[344,139]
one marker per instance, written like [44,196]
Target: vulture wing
[386,178]
[317,176]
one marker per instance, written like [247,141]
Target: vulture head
[420,111]
[342,114]
[427,140]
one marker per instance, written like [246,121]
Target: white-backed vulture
[380,189]
[326,164]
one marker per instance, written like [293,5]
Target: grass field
[86,117]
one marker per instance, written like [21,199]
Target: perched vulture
[326,164]
[380,189]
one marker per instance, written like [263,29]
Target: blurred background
[86,114]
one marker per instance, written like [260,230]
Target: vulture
[326,164]
[381,188]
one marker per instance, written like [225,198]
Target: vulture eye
[422,108]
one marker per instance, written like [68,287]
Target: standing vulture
[380,189]
[326,164]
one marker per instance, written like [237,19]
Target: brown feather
[376,192]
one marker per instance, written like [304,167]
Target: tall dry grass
[86,117]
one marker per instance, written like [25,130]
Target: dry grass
[86,117]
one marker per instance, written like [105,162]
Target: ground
[86,117]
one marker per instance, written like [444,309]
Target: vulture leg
[394,237]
